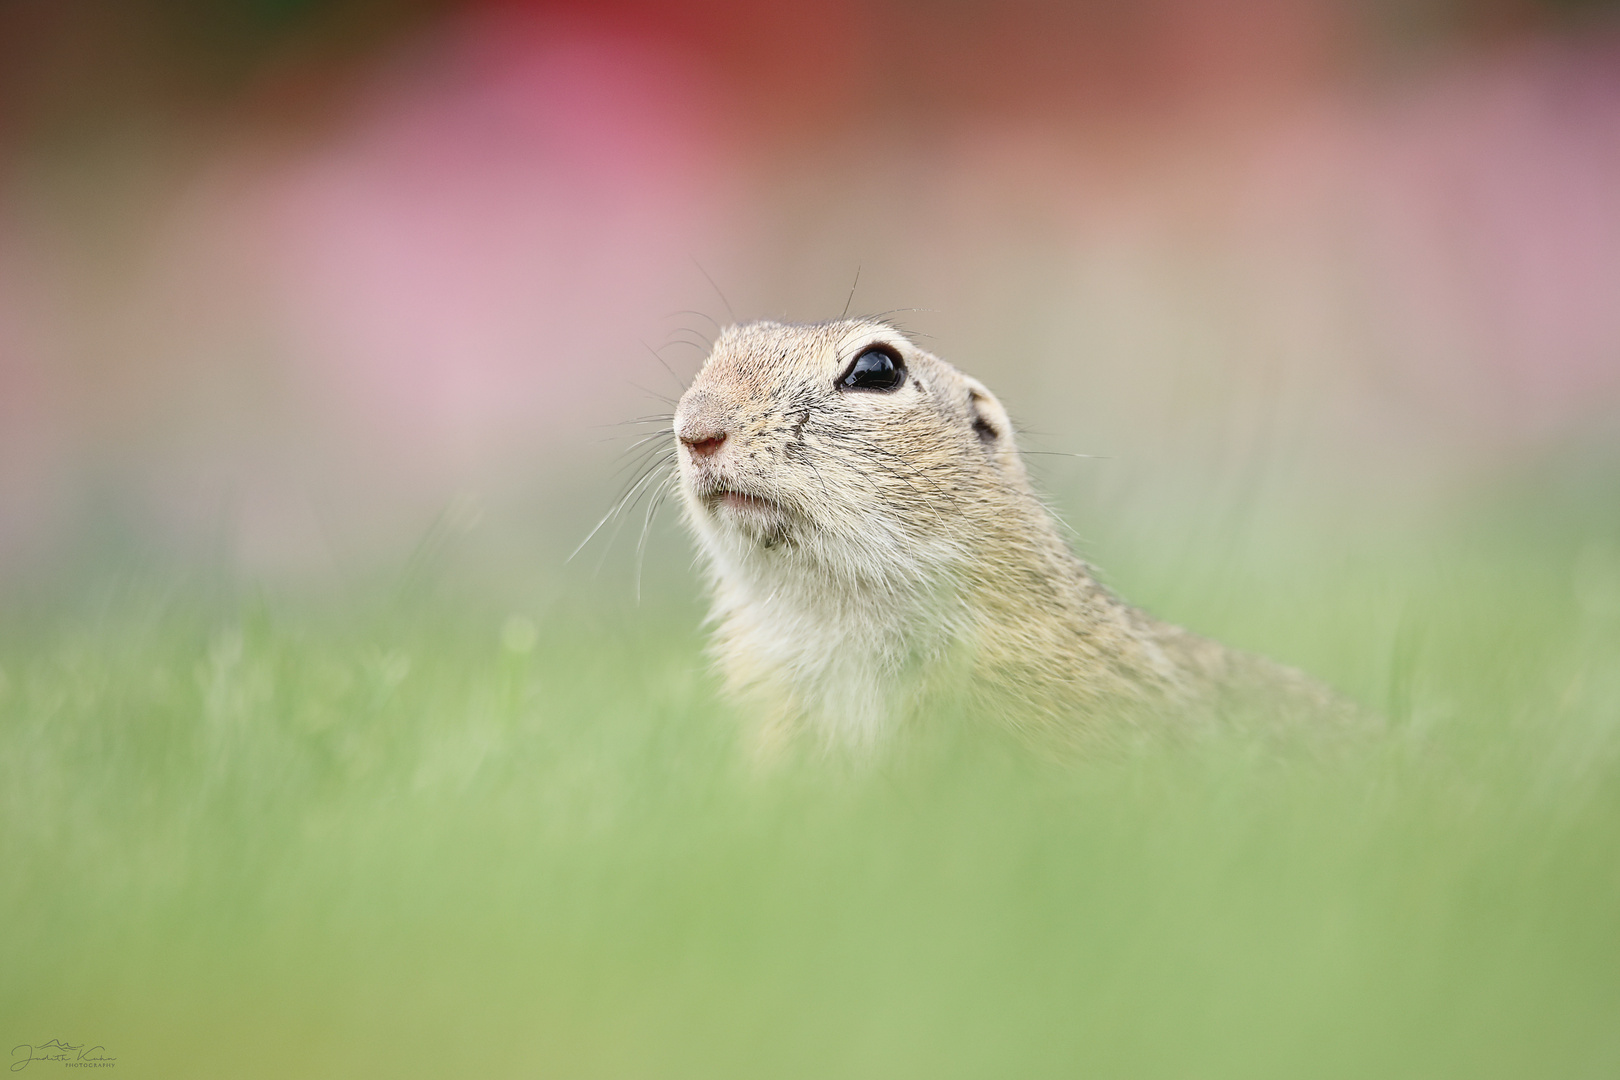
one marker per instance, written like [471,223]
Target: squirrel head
[842,443]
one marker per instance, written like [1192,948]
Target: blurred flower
[462,258]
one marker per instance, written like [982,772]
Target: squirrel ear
[983,428]
[988,418]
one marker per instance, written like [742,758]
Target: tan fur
[881,551]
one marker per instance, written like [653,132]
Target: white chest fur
[837,651]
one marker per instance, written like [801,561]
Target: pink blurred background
[278,286]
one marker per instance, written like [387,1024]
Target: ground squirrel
[873,539]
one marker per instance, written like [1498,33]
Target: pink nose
[703,441]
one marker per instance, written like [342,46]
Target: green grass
[263,838]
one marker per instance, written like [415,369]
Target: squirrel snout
[702,438]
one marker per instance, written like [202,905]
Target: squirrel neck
[1003,599]
[1046,626]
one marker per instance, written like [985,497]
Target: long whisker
[716,289]
[645,471]
[594,530]
[700,314]
[870,451]
[696,340]
[631,498]
[665,366]
[911,467]
[653,504]
[634,461]
[654,394]
[662,433]
[825,494]
[1061,453]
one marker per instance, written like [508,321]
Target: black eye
[875,369]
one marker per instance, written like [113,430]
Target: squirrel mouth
[764,520]
[742,501]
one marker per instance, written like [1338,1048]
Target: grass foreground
[250,840]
